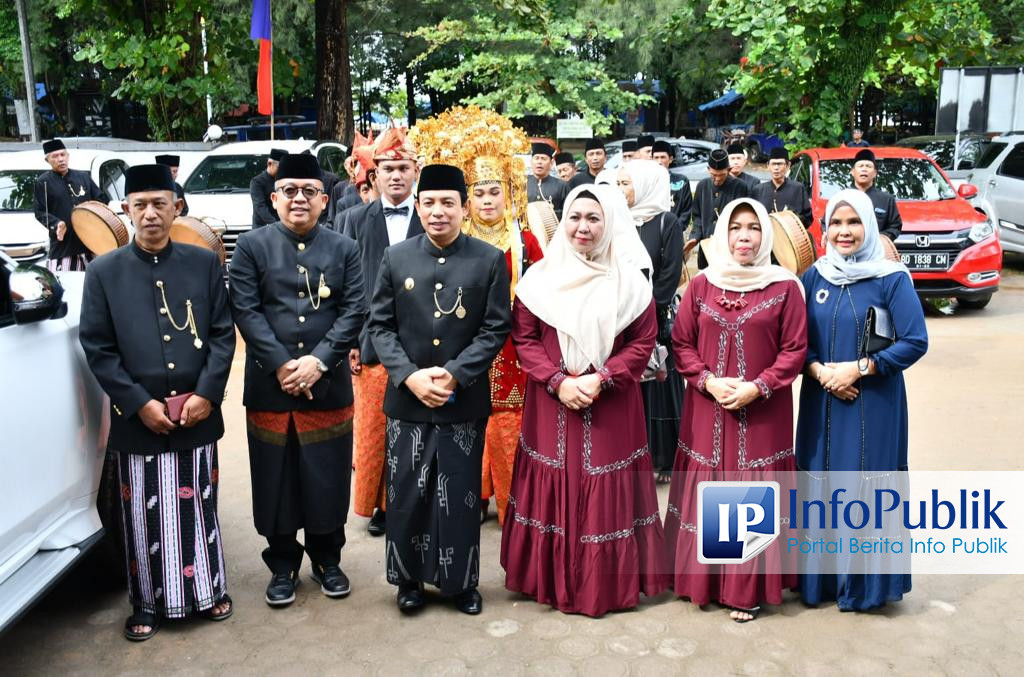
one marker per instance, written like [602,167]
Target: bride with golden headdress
[484,145]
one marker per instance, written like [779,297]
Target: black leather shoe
[484,505]
[410,597]
[469,602]
[376,525]
[333,581]
[281,589]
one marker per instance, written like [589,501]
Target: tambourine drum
[190,230]
[792,245]
[540,217]
[98,227]
[889,246]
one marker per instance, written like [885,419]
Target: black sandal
[210,616]
[664,477]
[753,612]
[137,618]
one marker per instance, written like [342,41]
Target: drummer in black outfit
[711,195]
[864,173]
[173,162]
[780,193]
[57,191]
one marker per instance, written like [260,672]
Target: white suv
[999,176]
[21,236]
[219,185]
[54,422]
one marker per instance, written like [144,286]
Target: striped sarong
[172,536]
[68,263]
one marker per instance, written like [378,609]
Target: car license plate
[931,261]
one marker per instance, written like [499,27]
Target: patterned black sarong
[172,536]
[433,499]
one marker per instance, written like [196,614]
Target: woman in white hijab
[740,339]
[853,403]
[584,534]
[645,185]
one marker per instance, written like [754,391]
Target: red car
[952,249]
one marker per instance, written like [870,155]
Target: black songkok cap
[442,177]
[595,144]
[141,178]
[562,158]
[277,154]
[718,159]
[779,153]
[53,145]
[169,160]
[541,148]
[644,140]
[736,149]
[298,166]
[864,154]
[629,146]
[661,146]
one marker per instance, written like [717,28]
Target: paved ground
[964,399]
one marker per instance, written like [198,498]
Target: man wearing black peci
[157,333]
[57,191]
[439,316]
[260,189]
[780,193]
[738,160]
[864,172]
[713,193]
[596,157]
[297,298]
[682,197]
[172,162]
[541,185]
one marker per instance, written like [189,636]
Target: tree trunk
[333,72]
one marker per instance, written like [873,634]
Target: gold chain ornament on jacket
[190,320]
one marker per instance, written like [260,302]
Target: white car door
[1006,192]
[53,438]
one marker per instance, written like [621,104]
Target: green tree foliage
[154,51]
[807,62]
[528,63]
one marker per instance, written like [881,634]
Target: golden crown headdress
[483,144]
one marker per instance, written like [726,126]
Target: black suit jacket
[366,225]
[346,203]
[273,308]
[135,352]
[260,189]
[890,223]
[410,333]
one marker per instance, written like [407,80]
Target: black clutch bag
[878,331]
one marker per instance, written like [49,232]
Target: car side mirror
[967,190]
[36,295]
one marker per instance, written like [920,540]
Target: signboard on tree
[574,128]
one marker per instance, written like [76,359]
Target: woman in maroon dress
[739,340]
[583,532]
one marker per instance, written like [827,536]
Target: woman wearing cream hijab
[740,339]
[645,185]
[584,533]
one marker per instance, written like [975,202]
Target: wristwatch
[863,365]
[321,366]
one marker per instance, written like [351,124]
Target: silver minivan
[999,176]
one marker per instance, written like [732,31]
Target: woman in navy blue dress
[853,413]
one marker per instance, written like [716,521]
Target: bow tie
[396,211]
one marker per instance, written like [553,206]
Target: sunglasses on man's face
[290,191]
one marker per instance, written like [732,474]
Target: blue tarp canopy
[726,99]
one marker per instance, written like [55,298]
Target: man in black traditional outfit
[440,314]
[565,166]
[260,189]
[541,185]
[781,193]
[644,147]
[738,160]
[157,333]
[682,197]
[297,298]
[864,172]
[711,195]
[629,150]
[172,162]
[596,157]
[57,191]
